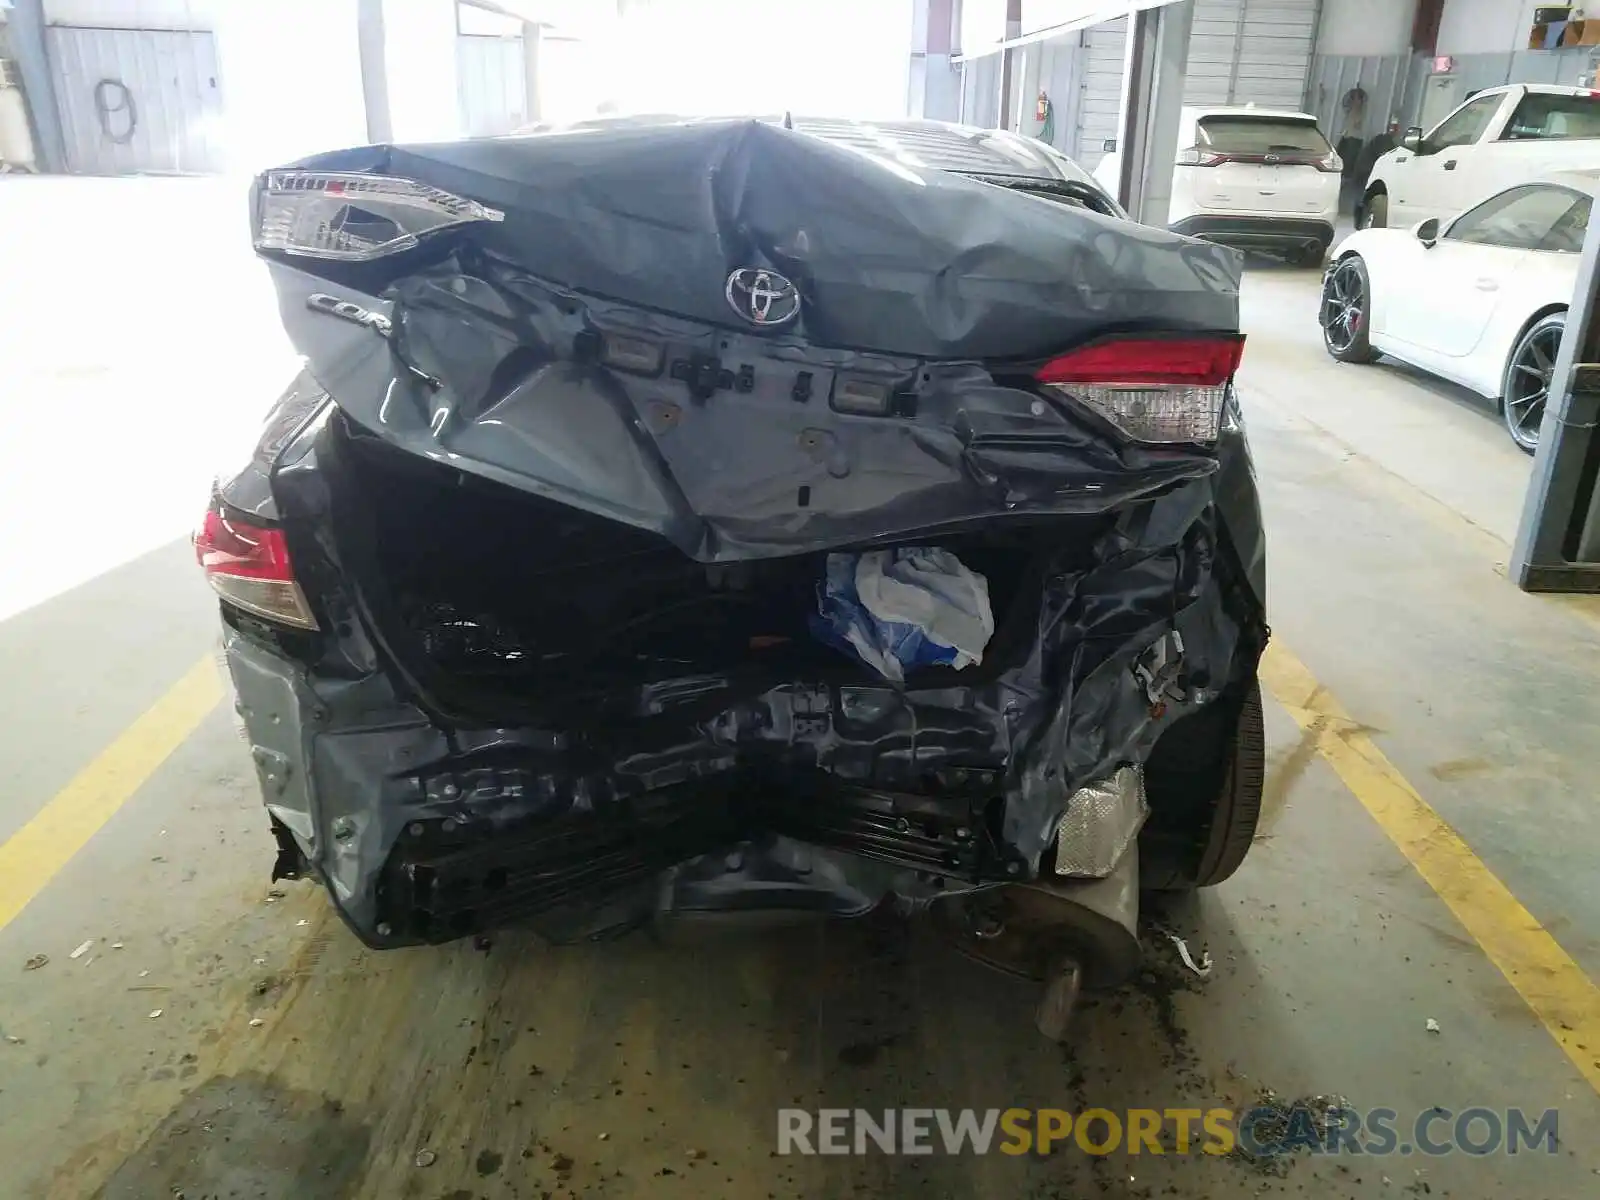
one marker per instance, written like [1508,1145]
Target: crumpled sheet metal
[887,256]
[739,475]
[1150,574]
[941,287]
[1101,822]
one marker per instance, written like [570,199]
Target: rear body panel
[578,366]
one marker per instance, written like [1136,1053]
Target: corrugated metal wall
[1393,87]
[135,100]
[1240,52]
[490,75]
[1251,52]
[1100,103]
[1059,76]
[1394,83]
[980,91]
[1081,72]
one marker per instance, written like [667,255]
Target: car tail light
[1154,389]
[1194,156]
[248,566]
[1331,163]
[353,217]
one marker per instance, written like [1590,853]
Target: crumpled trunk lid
[888,256]
[588,346]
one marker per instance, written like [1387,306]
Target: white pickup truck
[1499,137]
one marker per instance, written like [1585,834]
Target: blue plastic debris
[897,610]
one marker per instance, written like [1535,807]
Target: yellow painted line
[1555,987]
[30,858]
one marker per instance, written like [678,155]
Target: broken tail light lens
[1158,390]
[248,566]
[353,217]
[1331,163]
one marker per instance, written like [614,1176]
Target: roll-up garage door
[490,84]
[1100,105]
[137,99]
[1251,52]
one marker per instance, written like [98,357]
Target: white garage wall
[1486,26]
[491,84]
[419,44]
[1100,99]
[1250,52]
[1366,27]
[573,80]
[135,14]
[265,52]
[480,22]
[137,99]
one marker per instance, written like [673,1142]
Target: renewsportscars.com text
[1258,1132]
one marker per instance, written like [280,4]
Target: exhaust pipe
[1068,934]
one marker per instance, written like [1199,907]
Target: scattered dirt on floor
[1460,768]
[1281,1128]
[1286,768]
[246,1135]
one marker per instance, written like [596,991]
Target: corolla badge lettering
[349,311]
[762,297]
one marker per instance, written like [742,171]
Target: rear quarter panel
[1378,249]
[1544,284]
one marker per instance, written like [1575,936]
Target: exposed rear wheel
[1375,211]
[1526,388]
[1345,312]
[1204,787]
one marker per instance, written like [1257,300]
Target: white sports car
[1481,300]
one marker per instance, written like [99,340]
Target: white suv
[1251,177]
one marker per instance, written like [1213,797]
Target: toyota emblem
[762,297]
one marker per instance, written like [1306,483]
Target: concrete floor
[655,1065]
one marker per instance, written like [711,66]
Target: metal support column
[1135,108]
[1152,94]
[370,49]
[532,43]
[1558,538]
[934,82]
[1013,31]
[38,89]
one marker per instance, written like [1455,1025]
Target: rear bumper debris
[826,798]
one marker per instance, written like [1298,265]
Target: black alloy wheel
[1527,382]
[1345,308]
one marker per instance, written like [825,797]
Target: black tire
[1204,782]
[1525,387]
[1345,311]
[1375,211]
[1238,808]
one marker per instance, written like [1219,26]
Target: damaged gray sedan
[732,515]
